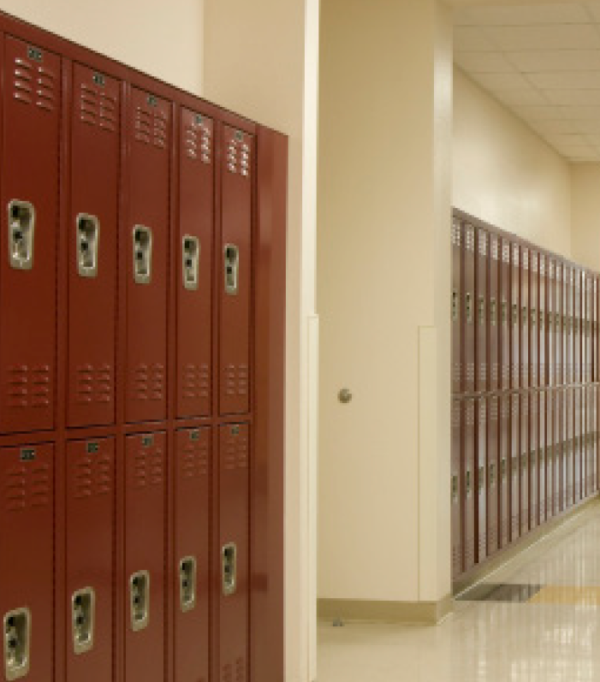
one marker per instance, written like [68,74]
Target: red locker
[468,476]
[542,328]
[31,124]
[481,476]
[569,422]
[494,313]
[493,475]
[595,373]
[27,562]
[456,490]
[570,364]
[533,318]
[550,322]
[587,328]
[90,515]
[524,482]
[515,294]
[147,240]
[534,464]
[468,328]
[541,457]
[235,279]
[233,565]
[524,317]
[577,453]
[456,307]
[559,480]
[504,471]
[559,323]
[145,473]
[515,467]
[194,246]
[551,456]
[505,298]
[577,374]
[191,542]
[482,290]
[93,226]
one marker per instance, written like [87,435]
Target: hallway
[535,619]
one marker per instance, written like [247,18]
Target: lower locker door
[524,483]
[533,461]
[481,462]
[492,499]
[26,562]
[191,536]
[569,447]
[542,480]
[468,477]
[456,490]
[515,468]
[90,559]
[143,581]
[503,474]
[233,573]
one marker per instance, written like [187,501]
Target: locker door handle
[454,488]
[21,230]
[481,479]
[88,240]
[229,569]
[190,253]
[139,600]
[468,482]
[83,614]
[493,312]
[142,254]
[232,265]
[454,306]
[187,583]
[481,310]
[17,642]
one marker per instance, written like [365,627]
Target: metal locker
[541,457]
[550,322]
[194,246]
[481,478]
[191,539]
[493,475]
[533,318]
[147,246]
[542,322]
[468,327]
[481,294]
[469,498]
[90,517]
[515,467]
[456,306]
[524,482]
[31,128]
[571,326]
[504,315]
[534,464]
[594,428]
[27,562]
[515,316]
[524,351]
[143,582]
[456,489]
[92,230]
[504,462]
[550,455]
[558,452]
[233,538]
[577,363]
[235,278]
[577,454]
[569,421]
[595,373]
[587,329]
[494,312]
[559,326]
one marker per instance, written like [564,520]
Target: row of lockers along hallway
[525,371]
[127,400]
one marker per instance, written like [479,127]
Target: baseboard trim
[364,611]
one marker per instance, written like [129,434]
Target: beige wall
[505,174]
[158,37]
[585,188]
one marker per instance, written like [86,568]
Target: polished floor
[550,632]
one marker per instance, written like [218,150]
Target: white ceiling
[543,63]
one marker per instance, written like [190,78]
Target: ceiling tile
[587,127]
[543,113]
[566,140]
[502,81]
[573,80]
[521,15]
[594,10]
[583,98]
[526,38]
[520,98]
[484,62]
[555,127]
[467,39]
[543,61]
[593,140]
[580,113]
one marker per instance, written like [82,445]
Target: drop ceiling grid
[543,63]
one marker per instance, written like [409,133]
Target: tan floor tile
[564,594]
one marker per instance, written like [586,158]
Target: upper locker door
[92,230]
[194,265]
[235,281]
[29,181]
[147,241]
[456,305]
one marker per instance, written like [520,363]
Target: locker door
[191,539]
[468,476]
[550,322]
[481,476]
[143,581]
[456,306]
[90,514]
[233,570]
[468,329]
[482,290]
[92,229]
[524,484]
[235,278]
[515,294]
[456,490]
[534,465]
[194,244]
[558,452]
[504,471]
[577,326]
[559,377]
[504,316]
[542,329]
[550,456]
[493,475]
[576,445]
[595,373]
[569,443]
[31,120]
[533,318]
[571,326]
[515,467]
[494,313]
[27,561]
[524,317]
[147,242]
[541,457]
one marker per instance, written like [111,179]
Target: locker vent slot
[28,386]
[149,468]
[238,156]
[34,83]
[17,642]
[195,381]
[236,380]
[194,463]
[187,583]
[197,140]
[236,453]
[83,613]
[139,600]
[149,382]
[93,476]
[27,487]
[94,384]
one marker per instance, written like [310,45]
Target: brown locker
[534,464]
[569,422]
[92,229]
[235,281]
[456,490]
[595,372]
[89,599]
[481,478]
[191,537]
[524,482]
[515,467]
[577,360]
[233,563]
[550,322]
[481,327]
[504,316]
[143,582]
[559,479]
[570,365]
[468,328]
[456,306]
[550,456]
[587,328]
[559,377]
[533,318]
[468,477]
[594,428]
[194,246]
[542,326]
[146,237]
[494,313]
[515,316]
[577,453]
[541,457]
[27,562]
[30,150]
[524,351]
[493,475]
[504,462]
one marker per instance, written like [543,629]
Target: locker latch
[17,639]
[232,261]
[492,474]
[88,239]
[515,313]
[142,254]
[187,583]
[503,469]
[468,482]
[541,319]
[533,317]
[229,569]
[493,312]
[83,611]
[454,487]
[481,309]
[454,306]
[21,229]
[504,312]
[468,307]
[481,479]
[191,262]
[524,315]
[139,600]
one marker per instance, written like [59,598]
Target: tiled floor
[550,635]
